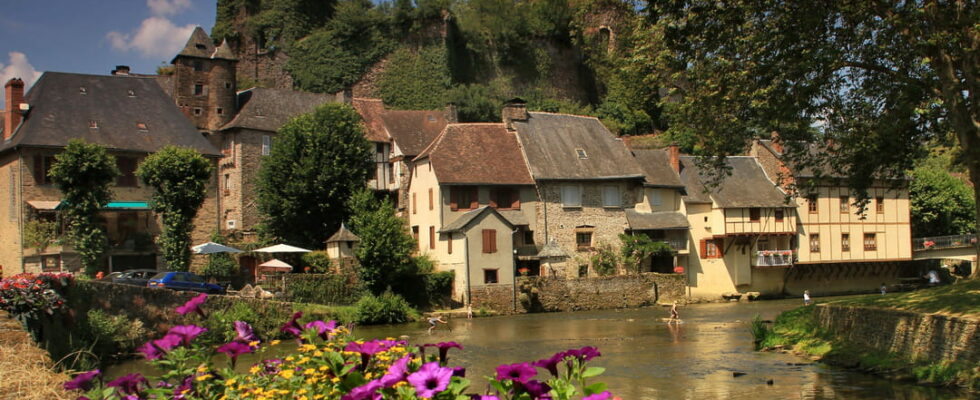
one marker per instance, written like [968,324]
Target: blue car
[183,281]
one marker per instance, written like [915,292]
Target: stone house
[129,115]
[660,213]
[472,203]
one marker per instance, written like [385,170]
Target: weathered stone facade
[239,175]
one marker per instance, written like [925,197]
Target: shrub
[318,261]
[439,287]
[111,336]
[388,308]
[40,234]
[605,261]
[323,288]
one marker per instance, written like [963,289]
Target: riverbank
[26,370]
[929,336]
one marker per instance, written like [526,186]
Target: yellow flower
[255,369]
[309,371]
[301,391]
[203,377]
[324,368]
[286,373]
[317,353]
[254,343]
[230,382]
[275,342]
[335,380]
[290,358]
[202,368]
[307,347]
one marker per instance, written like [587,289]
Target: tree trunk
[975,178]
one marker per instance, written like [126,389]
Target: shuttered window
[431,202]
[505,199]
[463,198]
[571,196]
[449,243]
[880,205]
[712,248]
[611,196]
[489,240]
[432,237]
[845,242]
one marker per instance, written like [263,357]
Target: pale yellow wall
[710,277]
[737,220]
[892,228]
[670,200]
[502,260]
[10,215]
[419,213]
[527,194]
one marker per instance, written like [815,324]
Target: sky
[93,36]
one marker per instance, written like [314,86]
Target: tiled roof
[656,166]
[639,221]
[371,111]
[560,146]
[343,235]
[65,106]
[413,130]
[747,186]
[268,109]
[198,45]
[477,154]
[465,220]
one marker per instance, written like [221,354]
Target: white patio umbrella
[274,265]
[282,248]
[212,247]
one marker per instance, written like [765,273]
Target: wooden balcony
[773,259]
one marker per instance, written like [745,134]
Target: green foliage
[40,234]
[605,260]
[759,329]
[415,80]
[221,323]
[439,287]
[318,261]
[179,177]
[388,308]
[940,203]
[83,173]
[476,103]
[637,248]
[385,249]
[110,336]
[317,161]
[342,289]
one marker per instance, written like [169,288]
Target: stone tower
[204,81]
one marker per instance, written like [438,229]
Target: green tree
[179,177]
[637,248]
[220,265]
[385,249]
[876,78]
[940,203]
[317,161]
[416,80]
[83,173]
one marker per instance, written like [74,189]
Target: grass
[26,371]
[959,299]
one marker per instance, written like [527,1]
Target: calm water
[647,359]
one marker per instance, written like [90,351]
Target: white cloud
[167,7]
[156,37]
[18,67]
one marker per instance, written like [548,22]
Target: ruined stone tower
[204,81]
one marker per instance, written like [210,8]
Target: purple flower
[82,381]
[235,349]
[519,372]
[129,384]
[193,305]
[396,372]
[292,327]
[185,388]
[537,389]
[187,333]
[444,349]
[323,329]
[155,349]
[584,354]
[599,396]
[459,371]
[550,364]
[484,397]
[430,379]
[244,333]
[367,391]
[271,367]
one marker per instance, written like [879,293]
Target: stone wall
[932,337]
[549,294]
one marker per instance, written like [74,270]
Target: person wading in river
[674,317]
[433,321]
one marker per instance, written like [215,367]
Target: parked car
[135,277]
[183,281]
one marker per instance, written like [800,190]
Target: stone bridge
[953,247]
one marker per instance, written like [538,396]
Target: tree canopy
[84,172]
[941,204]
[179,177]
[385,249]
[316,162]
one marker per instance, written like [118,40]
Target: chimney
[452,115]
[514,110]
[777,143]
[121,70]
[13,96]
[674,156]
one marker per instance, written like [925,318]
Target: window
[391,172]
[432,237]
[505,199]
[814,243]
[463,198]
[755,214]
[449,243]
[127,171]
[571,196]
[811,203]
[82,90]
[581,154]
[266,144]
[656,198]
[870,242]
[610,196]
[844,206]
[197,111]
[42,169]
[227,183]
[415,235]
[227,85]
[131,93]
[880,205]
[220,110]
[583,271]
[431,201]
[779,215]
[490,276]
[845,242]
[489,240]
[583,240]
[198,89]
[528,237]
[142,126]
[415,203]
[712,248]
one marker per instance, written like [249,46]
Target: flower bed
[30,294]
[330,364]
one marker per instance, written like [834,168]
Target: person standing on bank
[806,298]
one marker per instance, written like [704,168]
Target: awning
[42,205]
[112,206]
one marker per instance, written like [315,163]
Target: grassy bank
[799,331]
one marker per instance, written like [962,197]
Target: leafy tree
[220,265]
[416,80]
[179,177]
[940,203]
[637,248]
[317,161]
[83,173]
[385,249]
[878,78]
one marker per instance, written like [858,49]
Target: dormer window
[141,126]
[82,90]
[581,154]
[200,46]
[93,124]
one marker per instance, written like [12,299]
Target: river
[645,358]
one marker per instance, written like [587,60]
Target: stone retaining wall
[936,338]
[551,294]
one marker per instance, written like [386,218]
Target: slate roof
[477,154]
[343,235]
[551,142]
[413,130]
[747,186]
[656,166]
[60,112]
[267,109]
[552,250]
[463,222]
[371,111]
[200,45]
[640,221]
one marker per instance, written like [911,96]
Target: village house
[129,115]
[660,213]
